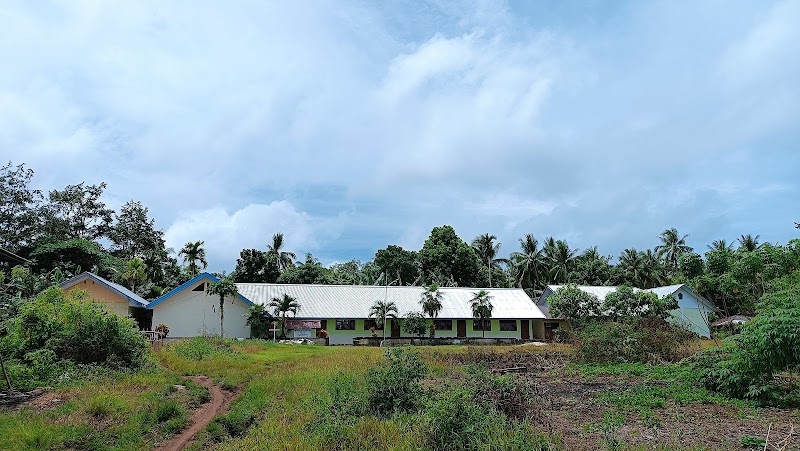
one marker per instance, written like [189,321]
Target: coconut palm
[431,304]
[561,259]
[284,259]
[135,271]
[672,246]
[721,246]
[282,306]
[748,243]
[529,261]
[487,251]
[381,310]
[194,253]
[633,265]
[224,288]
[652,270]
[481,308]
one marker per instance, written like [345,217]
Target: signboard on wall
[302,334]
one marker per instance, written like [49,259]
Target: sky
[351,125]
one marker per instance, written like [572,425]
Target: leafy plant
[415,323]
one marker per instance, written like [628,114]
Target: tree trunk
[222,317]
[8,381]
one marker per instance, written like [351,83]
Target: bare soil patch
[202,416]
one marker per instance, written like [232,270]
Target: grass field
[312,397]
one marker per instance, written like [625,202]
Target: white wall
[691,313]
[193,313]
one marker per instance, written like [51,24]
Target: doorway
[395,328]
[462,328]
[526,329]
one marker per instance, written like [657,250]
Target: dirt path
[220,401]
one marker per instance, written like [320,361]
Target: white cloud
[225,234]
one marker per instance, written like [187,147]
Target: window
[508,325]
[369,323]
[680,295]
[487,325]
[345,324]
[548,325]
[443,324]
[200,287]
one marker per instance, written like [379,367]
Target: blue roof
[186,285]
[117,288]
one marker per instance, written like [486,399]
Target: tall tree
[431,301]
[135,272]
[561,259]
[194,253]
[310,272]
[255,266]
[77,212]
[672,246]
[224,288]
[748,243]
[481,304]
[19,205]
[720,245]
[529,262]
[381,310]
[282,306]
[632,264]
[448,261]
[398,263]
[284,259]
[487,251]
[134,234]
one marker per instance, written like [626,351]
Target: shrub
[393,385]
[163,328]
[647,340]
[574,304]
[71,326]
[415,323]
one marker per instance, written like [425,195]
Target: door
[526,329]
[462,328]
[395,328]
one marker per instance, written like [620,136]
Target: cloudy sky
[351,125]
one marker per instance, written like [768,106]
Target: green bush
[393,385]
[647,340]
[71,326]
[415,323]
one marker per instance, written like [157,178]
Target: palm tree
[529,261]
[672,246]
[193,253]
[561,259]
[284,259]
[432,304]
[482,308]
[282,306]
[225,288]
[721,246]
[633,265]
[652,270]
[487,250]
[135,271]
[748,243]
[381,310]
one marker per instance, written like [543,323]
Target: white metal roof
[354,301]
[602,291]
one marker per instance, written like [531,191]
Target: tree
[529,261]
[134,234]
[381,310]
[571,303]
[224,288]
[721,246]
[691,265]
[399,263]
[310,272]
[431,304]
[194,253]
[255,266]
[748,243]
[283,306]
[626,303]
[487,251]
[283,259]
[258,320]
[76,212]
[672,246]
[19,207]
[135,271]
[561,259]
[448,261]
[482,307]
[415,323]
[591,268]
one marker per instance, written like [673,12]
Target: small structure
[12,258]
